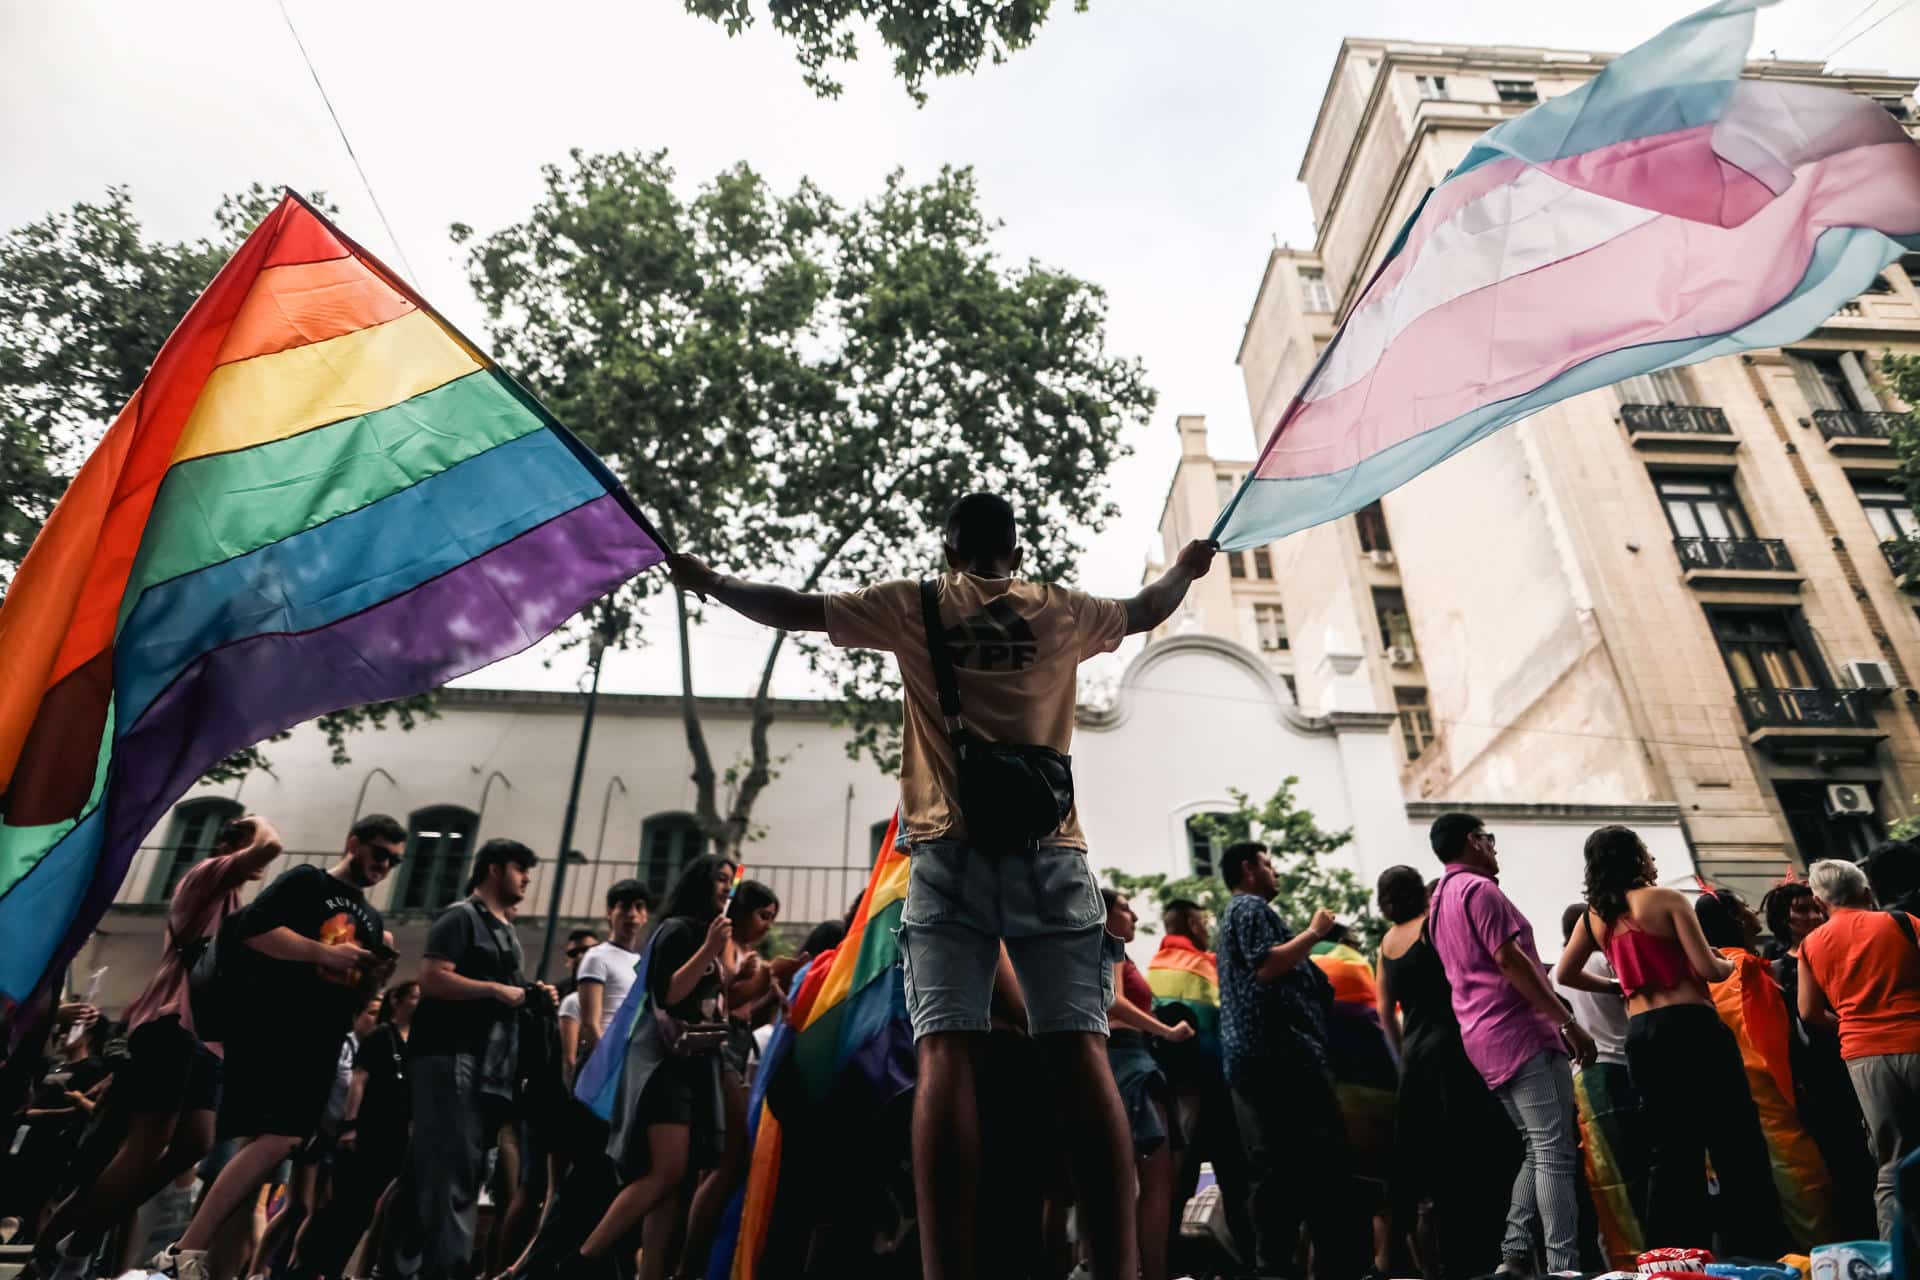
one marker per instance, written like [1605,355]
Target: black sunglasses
[385,857]
[574,953]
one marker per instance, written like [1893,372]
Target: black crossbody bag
[1011,797]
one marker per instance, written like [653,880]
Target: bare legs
[717,1188]
[666,1165]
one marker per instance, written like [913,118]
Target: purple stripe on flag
[492,606]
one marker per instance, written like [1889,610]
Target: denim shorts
[961,904]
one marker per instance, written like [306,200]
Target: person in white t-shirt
[607,972]
[579,942]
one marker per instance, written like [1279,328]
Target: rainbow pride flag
[846,1028]
[321,495]
[1663,213]
[1181,973]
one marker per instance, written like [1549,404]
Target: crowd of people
[1260,1100]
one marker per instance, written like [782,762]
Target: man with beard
[312,948]
[464,1051]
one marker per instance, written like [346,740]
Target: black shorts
[277,1082]
[168,1072]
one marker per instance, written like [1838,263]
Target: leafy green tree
[949,38]
[1298,845]
[87,297]
[798,390]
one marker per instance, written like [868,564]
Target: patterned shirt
[1263,1024]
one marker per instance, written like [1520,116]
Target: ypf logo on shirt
[995,639]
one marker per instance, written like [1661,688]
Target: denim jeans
[1539,1101]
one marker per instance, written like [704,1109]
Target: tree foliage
[1298,845]
[796,390]
[945,37]
[87,297]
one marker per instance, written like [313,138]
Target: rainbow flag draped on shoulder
[844,1050]
[1663,213]
[321,496]
[1181,973]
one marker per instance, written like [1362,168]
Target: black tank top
[1420,988]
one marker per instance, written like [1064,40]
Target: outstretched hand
[691,573]
[1196,558]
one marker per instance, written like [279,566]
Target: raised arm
[1288,956]
[1158,599]
[770,606]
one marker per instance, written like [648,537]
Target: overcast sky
[1149,146]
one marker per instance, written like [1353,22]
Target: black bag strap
[1905,922]
[943,676]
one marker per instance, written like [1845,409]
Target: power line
[1869,30]
[345,141]
[1841,30]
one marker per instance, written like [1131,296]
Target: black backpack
[1011,797]
[211,982]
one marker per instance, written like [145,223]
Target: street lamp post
[606,803]
[597,646]
[359,801]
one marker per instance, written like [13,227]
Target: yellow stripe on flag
[272,397]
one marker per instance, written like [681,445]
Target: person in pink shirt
[167,1094]
[1516,1033]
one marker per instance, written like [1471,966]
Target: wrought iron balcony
[1675,419]
[1855,424]
[1766,554]
[1804,709]
[1902,561]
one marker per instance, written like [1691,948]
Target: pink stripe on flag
[1668,279]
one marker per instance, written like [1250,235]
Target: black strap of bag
[1011,796]
[1904,923]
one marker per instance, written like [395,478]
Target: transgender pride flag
[1664,213]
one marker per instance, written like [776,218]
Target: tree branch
[705,808]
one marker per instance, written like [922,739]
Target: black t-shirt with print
[679,938]
[480,945]
[321,906]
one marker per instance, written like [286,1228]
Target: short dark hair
[1402,893]
[1110,896]
[981,527]
[498,852]
[1570,920]
[378,826]
[581,935]
[1234,862]
[825,936]
[629,892]
[1777,906]
[1449,832]
[1181,915]
[1715,914]
[748,897]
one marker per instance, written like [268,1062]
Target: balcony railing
[1804,709]
[1734,553]
[1680,419]
[808,894]
[1855,424]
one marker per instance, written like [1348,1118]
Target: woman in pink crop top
[1685,1063]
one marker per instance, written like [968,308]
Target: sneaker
[166,1262]
[180,1264]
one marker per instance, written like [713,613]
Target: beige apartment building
[1669,593]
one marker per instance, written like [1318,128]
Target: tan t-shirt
[1016,649]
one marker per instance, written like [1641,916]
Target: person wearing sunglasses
[313,949]
[1516,1033]
[579,942]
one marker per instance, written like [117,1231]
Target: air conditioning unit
[1846,799]
[1382,559]
[1869,673]
[1400,655]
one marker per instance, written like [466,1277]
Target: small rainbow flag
[847,1022]
[1663,213]
[321,496]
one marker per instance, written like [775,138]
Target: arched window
[668,842]
[439,847]
[196,824]
[876,837]
[1203,847]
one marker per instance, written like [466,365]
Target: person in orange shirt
[1860,971]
